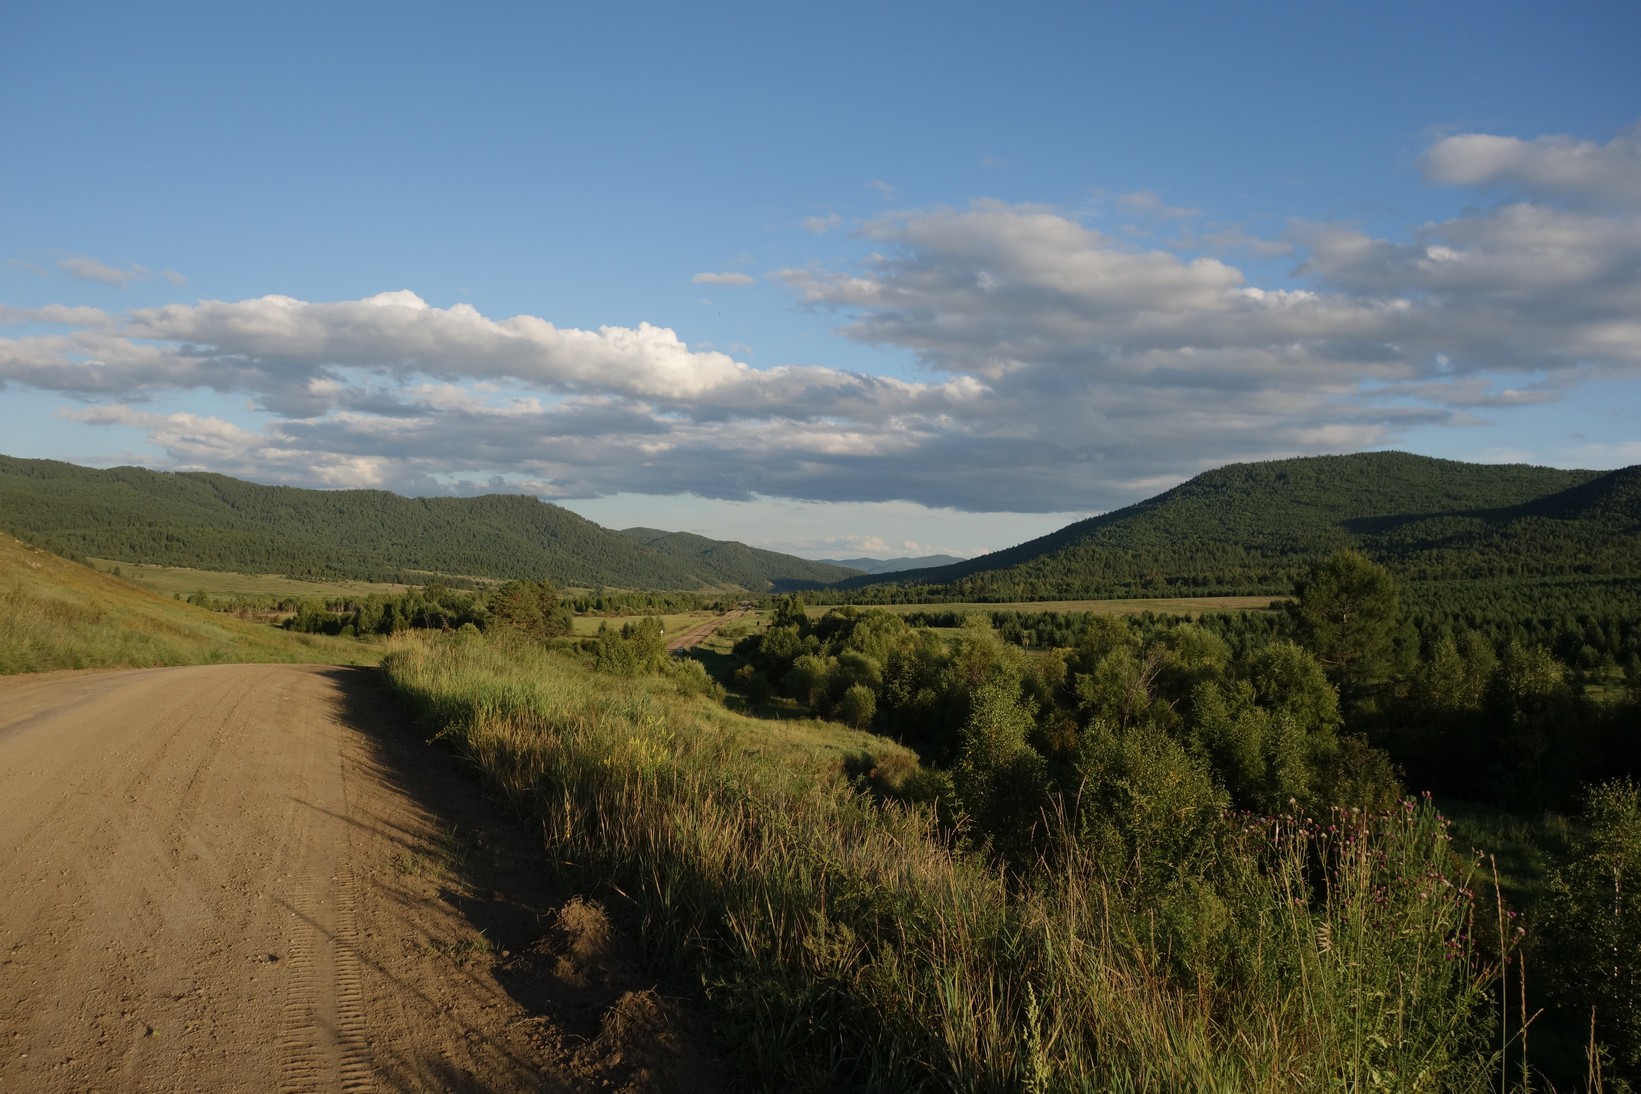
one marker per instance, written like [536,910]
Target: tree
[1289,680]
[1348,612]
[1120,690]
[530,607]
[807,680]
[1001,781]
[1261,757]
[1591,928]
[789,612]
[1143,803]
[1456,676]
[857,707]
[1274,737]
[1539,735]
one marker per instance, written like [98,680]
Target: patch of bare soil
[252,878]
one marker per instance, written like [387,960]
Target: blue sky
[840,280]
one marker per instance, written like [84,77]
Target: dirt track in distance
[243,878]
[698,634]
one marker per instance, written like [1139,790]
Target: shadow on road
[554,953]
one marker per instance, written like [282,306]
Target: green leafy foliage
[1146,805]
[1347,611]
[530,608]
[1591,926]
[1133,723]
[1001,781]
[637,647]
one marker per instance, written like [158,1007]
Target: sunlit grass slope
[60,615]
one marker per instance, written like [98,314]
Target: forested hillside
[213,522]
[731,563]
[1254,528]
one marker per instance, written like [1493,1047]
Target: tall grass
[849,944]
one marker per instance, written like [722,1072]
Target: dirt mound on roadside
[619,1032]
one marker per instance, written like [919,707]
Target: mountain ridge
[1255,527]
[1248,528]
[731,561]
[209,521]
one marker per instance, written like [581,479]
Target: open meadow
[221,584]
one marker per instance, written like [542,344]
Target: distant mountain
[1245,528]
[893,565]
[213,522]
[731,563]
[1253,528]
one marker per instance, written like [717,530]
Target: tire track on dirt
[182,912]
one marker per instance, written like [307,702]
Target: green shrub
[1590,924]
[692,677]
[857,707]
[638,647]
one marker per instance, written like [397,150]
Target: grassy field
[673,625]
[61,615]
[170,580]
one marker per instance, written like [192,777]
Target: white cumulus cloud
[1064,369]
[1552,167]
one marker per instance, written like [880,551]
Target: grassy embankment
[61,615]
[848,945]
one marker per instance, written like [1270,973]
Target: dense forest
[213,522]
[1255,528]
[538,609]
[1344,693]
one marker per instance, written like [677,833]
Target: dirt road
[234,878]
[703,631]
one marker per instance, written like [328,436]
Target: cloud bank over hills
[1064,368]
